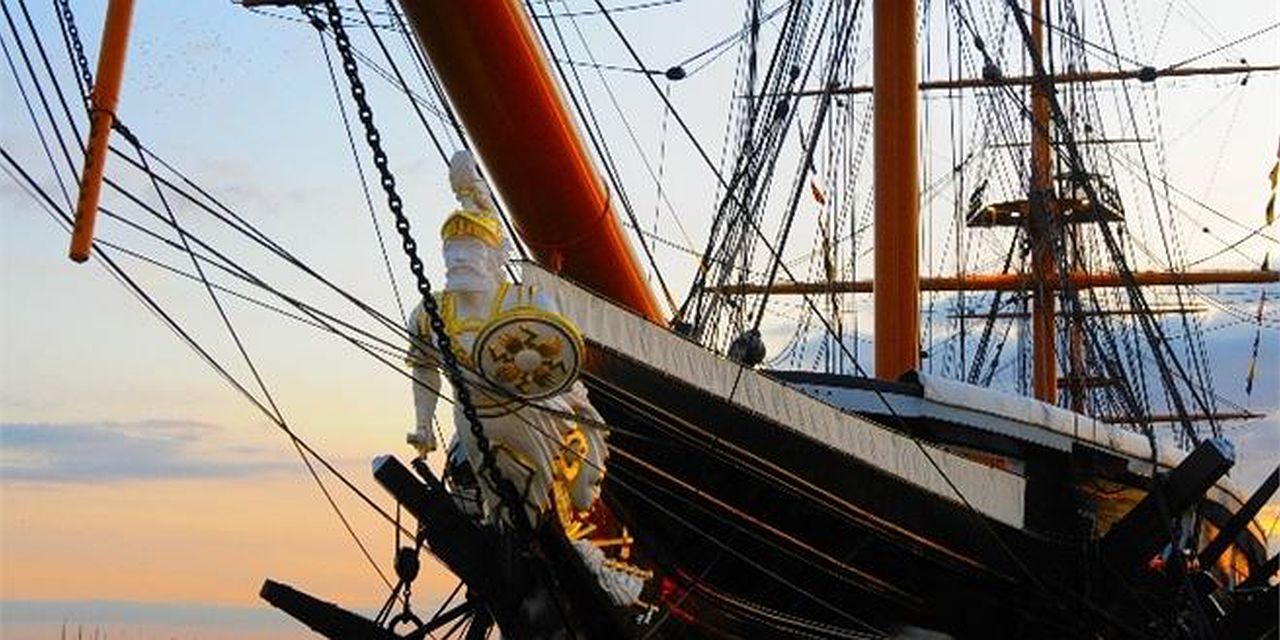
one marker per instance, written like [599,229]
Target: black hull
[740,507]
[947,508]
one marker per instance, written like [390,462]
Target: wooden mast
[493,70]
[897,198]
[1040,231]
[1043,213]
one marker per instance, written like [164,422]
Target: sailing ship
[755,500]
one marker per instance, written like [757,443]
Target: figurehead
[523,357]
[475,248]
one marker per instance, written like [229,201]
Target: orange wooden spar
[1018,282]
[103,100]
[496,77]
[897,219]
[1144,74]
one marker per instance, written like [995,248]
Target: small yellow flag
[1271,201]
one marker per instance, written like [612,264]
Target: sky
[142,496]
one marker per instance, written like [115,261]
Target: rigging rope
[706,158]
[44,142]
[590,12]
[1033,579]
[1150,330]
[824,104]
[761,130]
[75,48]
[441,108]
[506,491]
[596,135]
[355,158]
[402,83]
[167,319]
[44,101]
[718,48]
[1199,364]
[1228,45]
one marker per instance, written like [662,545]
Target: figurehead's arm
[424,369]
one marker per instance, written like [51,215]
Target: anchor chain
[506,490]
[77,47]
[68,20]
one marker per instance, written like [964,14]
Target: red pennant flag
[818,196]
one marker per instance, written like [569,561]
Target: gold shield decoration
[530,353]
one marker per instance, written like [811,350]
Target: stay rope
[507,492]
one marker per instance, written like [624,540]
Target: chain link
[506,491]
[86,78]
[82,61]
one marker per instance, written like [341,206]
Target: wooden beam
[1083,141]
[1145,74]
[1169,417]
[1240,520]
[1144,530]
[325,618]
[1019,213]
[1085,382]
[1015,315]
[1016,282]
[102,113]
[464,548]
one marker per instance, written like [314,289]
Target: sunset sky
[141,495]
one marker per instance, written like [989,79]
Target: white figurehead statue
[520,358]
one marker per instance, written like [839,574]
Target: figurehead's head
[474,245]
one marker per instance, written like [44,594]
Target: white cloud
[112,451]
